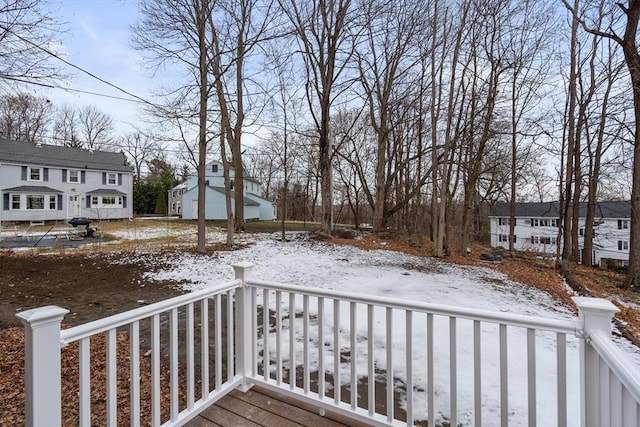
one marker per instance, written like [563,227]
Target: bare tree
[385,60]
[25,117]
[65,127]
[326,46]
[236,30]
[178,32]
[27,32]
[95,128]
[449,32]
[140,148]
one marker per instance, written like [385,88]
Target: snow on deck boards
[262,407]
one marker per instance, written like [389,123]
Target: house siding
[71,198]
[256,208]
[540,233]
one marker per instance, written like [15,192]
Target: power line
[77,67]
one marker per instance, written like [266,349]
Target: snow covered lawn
[400,276]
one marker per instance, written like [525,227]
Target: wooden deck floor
[262,407]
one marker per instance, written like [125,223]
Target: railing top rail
[79,332]
[617,361]
[525,321]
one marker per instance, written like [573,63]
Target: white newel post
[42,365]
[595,314]
[244,348]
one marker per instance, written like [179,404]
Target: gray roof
[620,209]
[31,189]
[107,191]
[59,156]
[247,201]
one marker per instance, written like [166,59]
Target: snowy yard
[400,276]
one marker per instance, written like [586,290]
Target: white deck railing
[338,351]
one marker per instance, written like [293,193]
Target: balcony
[167,363]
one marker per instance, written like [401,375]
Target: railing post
[42,365]
[595,314]
[244,343]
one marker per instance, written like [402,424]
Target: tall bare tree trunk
[201,22]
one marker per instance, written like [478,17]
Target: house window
[15,201]
[581,232]
[179,208]
[534,222]
[505,221]
[74,176]
[214,168]
[545,240]
[623,245]
[554,222]
[94,200]
[503,238]
[535,239]
[112,179]
[35,174]
[52,203]
[35,201]
[108,200]
[623,224]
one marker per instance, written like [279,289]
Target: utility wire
[77,67]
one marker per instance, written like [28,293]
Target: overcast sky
[99,40]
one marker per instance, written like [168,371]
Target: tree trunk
[202,127]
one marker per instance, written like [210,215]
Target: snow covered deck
[446,364]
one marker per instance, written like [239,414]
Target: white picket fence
[338,351]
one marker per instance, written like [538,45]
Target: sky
[98,39]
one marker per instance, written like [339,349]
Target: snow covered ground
[397,275]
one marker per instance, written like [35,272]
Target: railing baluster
[305,332]
[616,401]
[531,376]
[292,341]
[278,337]
[254,332]
[390,403]
[477,373]
[112,379]
[231,351]
[629,408]
[453,371]
[337,385]
[321,348]
[561,362]
[409,361]
[266,362]
[134,351]
[353,351]
[155,370]
[190,342]
[431,398]
[371,373]
[604,392]
[85,381]
[173,362]
[204,347]
[504,378]
[218,342]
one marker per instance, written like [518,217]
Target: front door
[73,209]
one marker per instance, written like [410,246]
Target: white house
[537,229]
[174,199]
[42,182]
[186,197]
